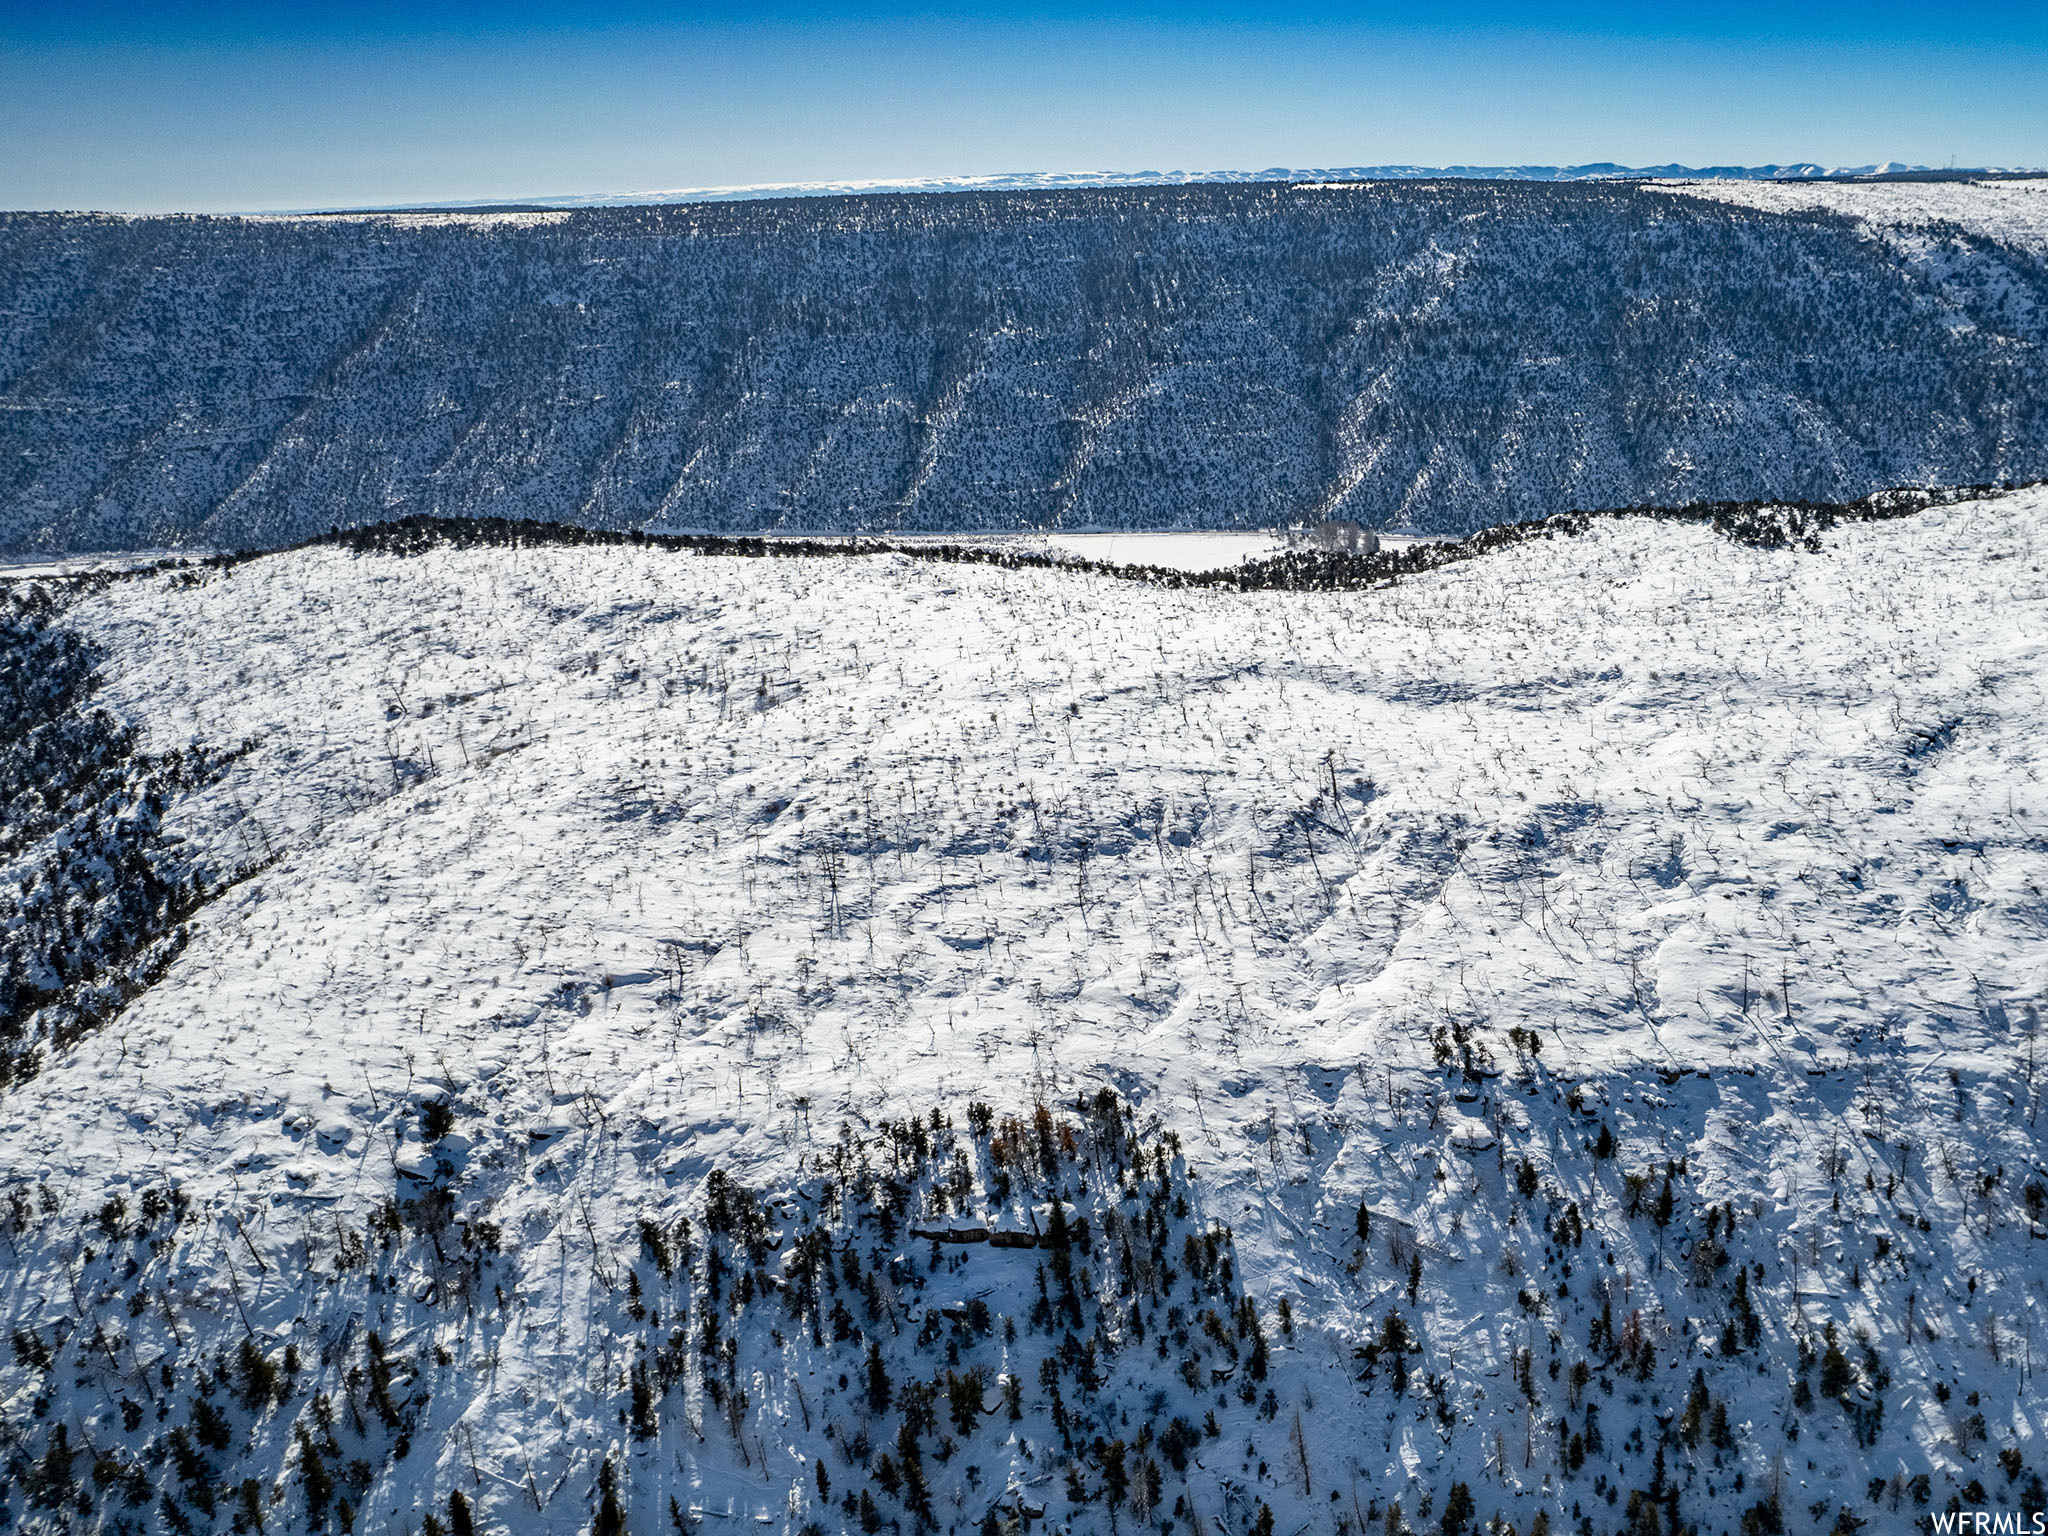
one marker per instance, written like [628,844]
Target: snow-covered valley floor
[1647,931]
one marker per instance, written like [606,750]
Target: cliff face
[1443,355]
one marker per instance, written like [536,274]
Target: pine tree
[1835,1375]
[51,1482]
[1460,1510]
[877,1380]
[1764,1518]
[1693,1423]
[611,1518]
[318,1481]
[1719,1432]
[1116,1480]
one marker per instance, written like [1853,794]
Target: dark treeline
[1760,524]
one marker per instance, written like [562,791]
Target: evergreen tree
[877,1380]
[611,1518]
[1460,1511]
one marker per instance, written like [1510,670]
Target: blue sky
[205,104]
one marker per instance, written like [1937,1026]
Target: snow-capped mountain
[521,1031]
[1438,355]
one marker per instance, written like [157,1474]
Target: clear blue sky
[213,104]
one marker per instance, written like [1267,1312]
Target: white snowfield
[2014,211]
[655,863]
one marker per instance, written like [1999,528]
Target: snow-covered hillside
[2012,211]
[1436,356]
[1553,1037]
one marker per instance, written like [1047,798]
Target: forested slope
[1444,355]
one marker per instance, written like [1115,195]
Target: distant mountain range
[1014,181]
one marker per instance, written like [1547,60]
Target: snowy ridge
[1435,356]
[1646,928]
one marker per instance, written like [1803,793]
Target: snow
[422,218]
[2013,211]
[1168,551]
[1178,551]
[653,864]
[1162,550]
[29,568]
